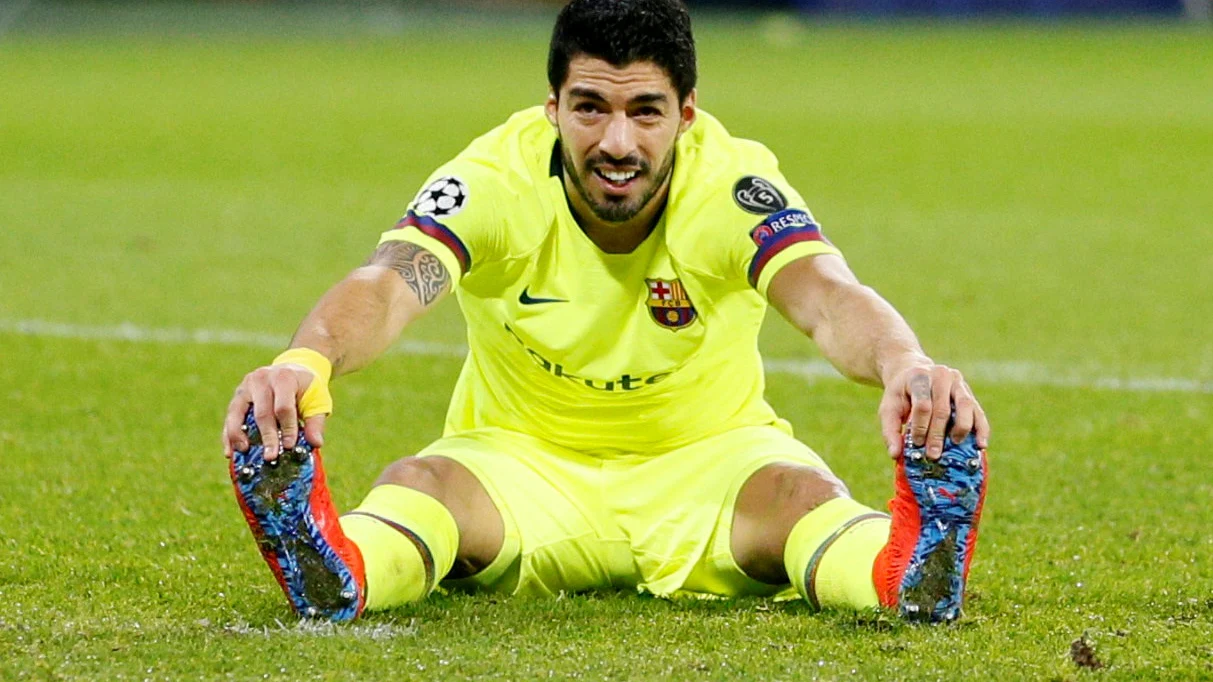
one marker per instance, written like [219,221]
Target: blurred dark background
[1198,10]
[963,8]
[1193,9]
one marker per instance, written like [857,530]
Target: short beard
[617,212]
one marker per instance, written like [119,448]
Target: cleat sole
[949,496]
[275,499]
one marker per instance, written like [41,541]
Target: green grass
[1023,193]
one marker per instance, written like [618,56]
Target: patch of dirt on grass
[1082,652]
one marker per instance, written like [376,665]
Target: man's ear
[688,113]
[549,107]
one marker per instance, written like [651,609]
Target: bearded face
[618,128]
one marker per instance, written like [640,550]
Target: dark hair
[622,32]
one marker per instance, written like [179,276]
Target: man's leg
[487,510]
[797,523]
[713,517]
[426,517]
[421,517]
[517,514]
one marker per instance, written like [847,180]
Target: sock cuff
[425,521]
[815,533]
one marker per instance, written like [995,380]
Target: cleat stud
[348,595]
[252,433]
[311,612]
[246,472]
[974,464]
[273,462]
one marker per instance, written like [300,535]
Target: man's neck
[616,237]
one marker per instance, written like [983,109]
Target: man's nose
[619,141]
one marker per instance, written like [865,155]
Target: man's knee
[799,489]
[481,527]
[430,475]
[769,504]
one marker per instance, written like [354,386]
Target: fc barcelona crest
[669,304]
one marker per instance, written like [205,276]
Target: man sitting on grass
[614,252]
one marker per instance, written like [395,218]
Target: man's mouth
[616,180]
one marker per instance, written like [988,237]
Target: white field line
[988,372]
[201,337]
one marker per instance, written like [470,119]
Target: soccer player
[614,252]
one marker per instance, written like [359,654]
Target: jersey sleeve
[782,229]
[456,216]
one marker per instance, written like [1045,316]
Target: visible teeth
[618,177]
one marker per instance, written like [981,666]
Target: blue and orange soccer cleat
[923,569]
[287,505]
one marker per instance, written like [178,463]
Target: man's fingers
[233,438]
[892,415]
[919,388]
[285,410]
[965,406]
[964,420]
[263,414]
[942,380]
[983,428]
[313,429]
[934,394]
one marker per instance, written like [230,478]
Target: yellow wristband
[316,398]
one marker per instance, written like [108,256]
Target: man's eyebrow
[647,98]
[650,98]
[587,93]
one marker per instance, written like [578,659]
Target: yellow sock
[408,542]
[830,552]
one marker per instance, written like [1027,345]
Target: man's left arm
[863,336]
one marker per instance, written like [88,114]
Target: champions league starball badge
[758,196]
[442,198]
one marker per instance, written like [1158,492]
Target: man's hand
[351,325]
[925,394]
[274,393]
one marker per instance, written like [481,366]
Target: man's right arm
[351,325]
[362,315]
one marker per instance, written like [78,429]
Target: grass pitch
[1035,200]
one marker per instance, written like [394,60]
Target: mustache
[592,164]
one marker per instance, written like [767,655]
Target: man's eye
[648,112]
[586,108]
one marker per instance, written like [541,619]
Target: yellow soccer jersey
[610,353]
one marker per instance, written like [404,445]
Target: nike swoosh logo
[525,299]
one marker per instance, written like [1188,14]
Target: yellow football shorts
[660,524]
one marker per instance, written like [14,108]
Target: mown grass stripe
[983,371]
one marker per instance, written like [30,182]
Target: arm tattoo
[421,270]
[920,387]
